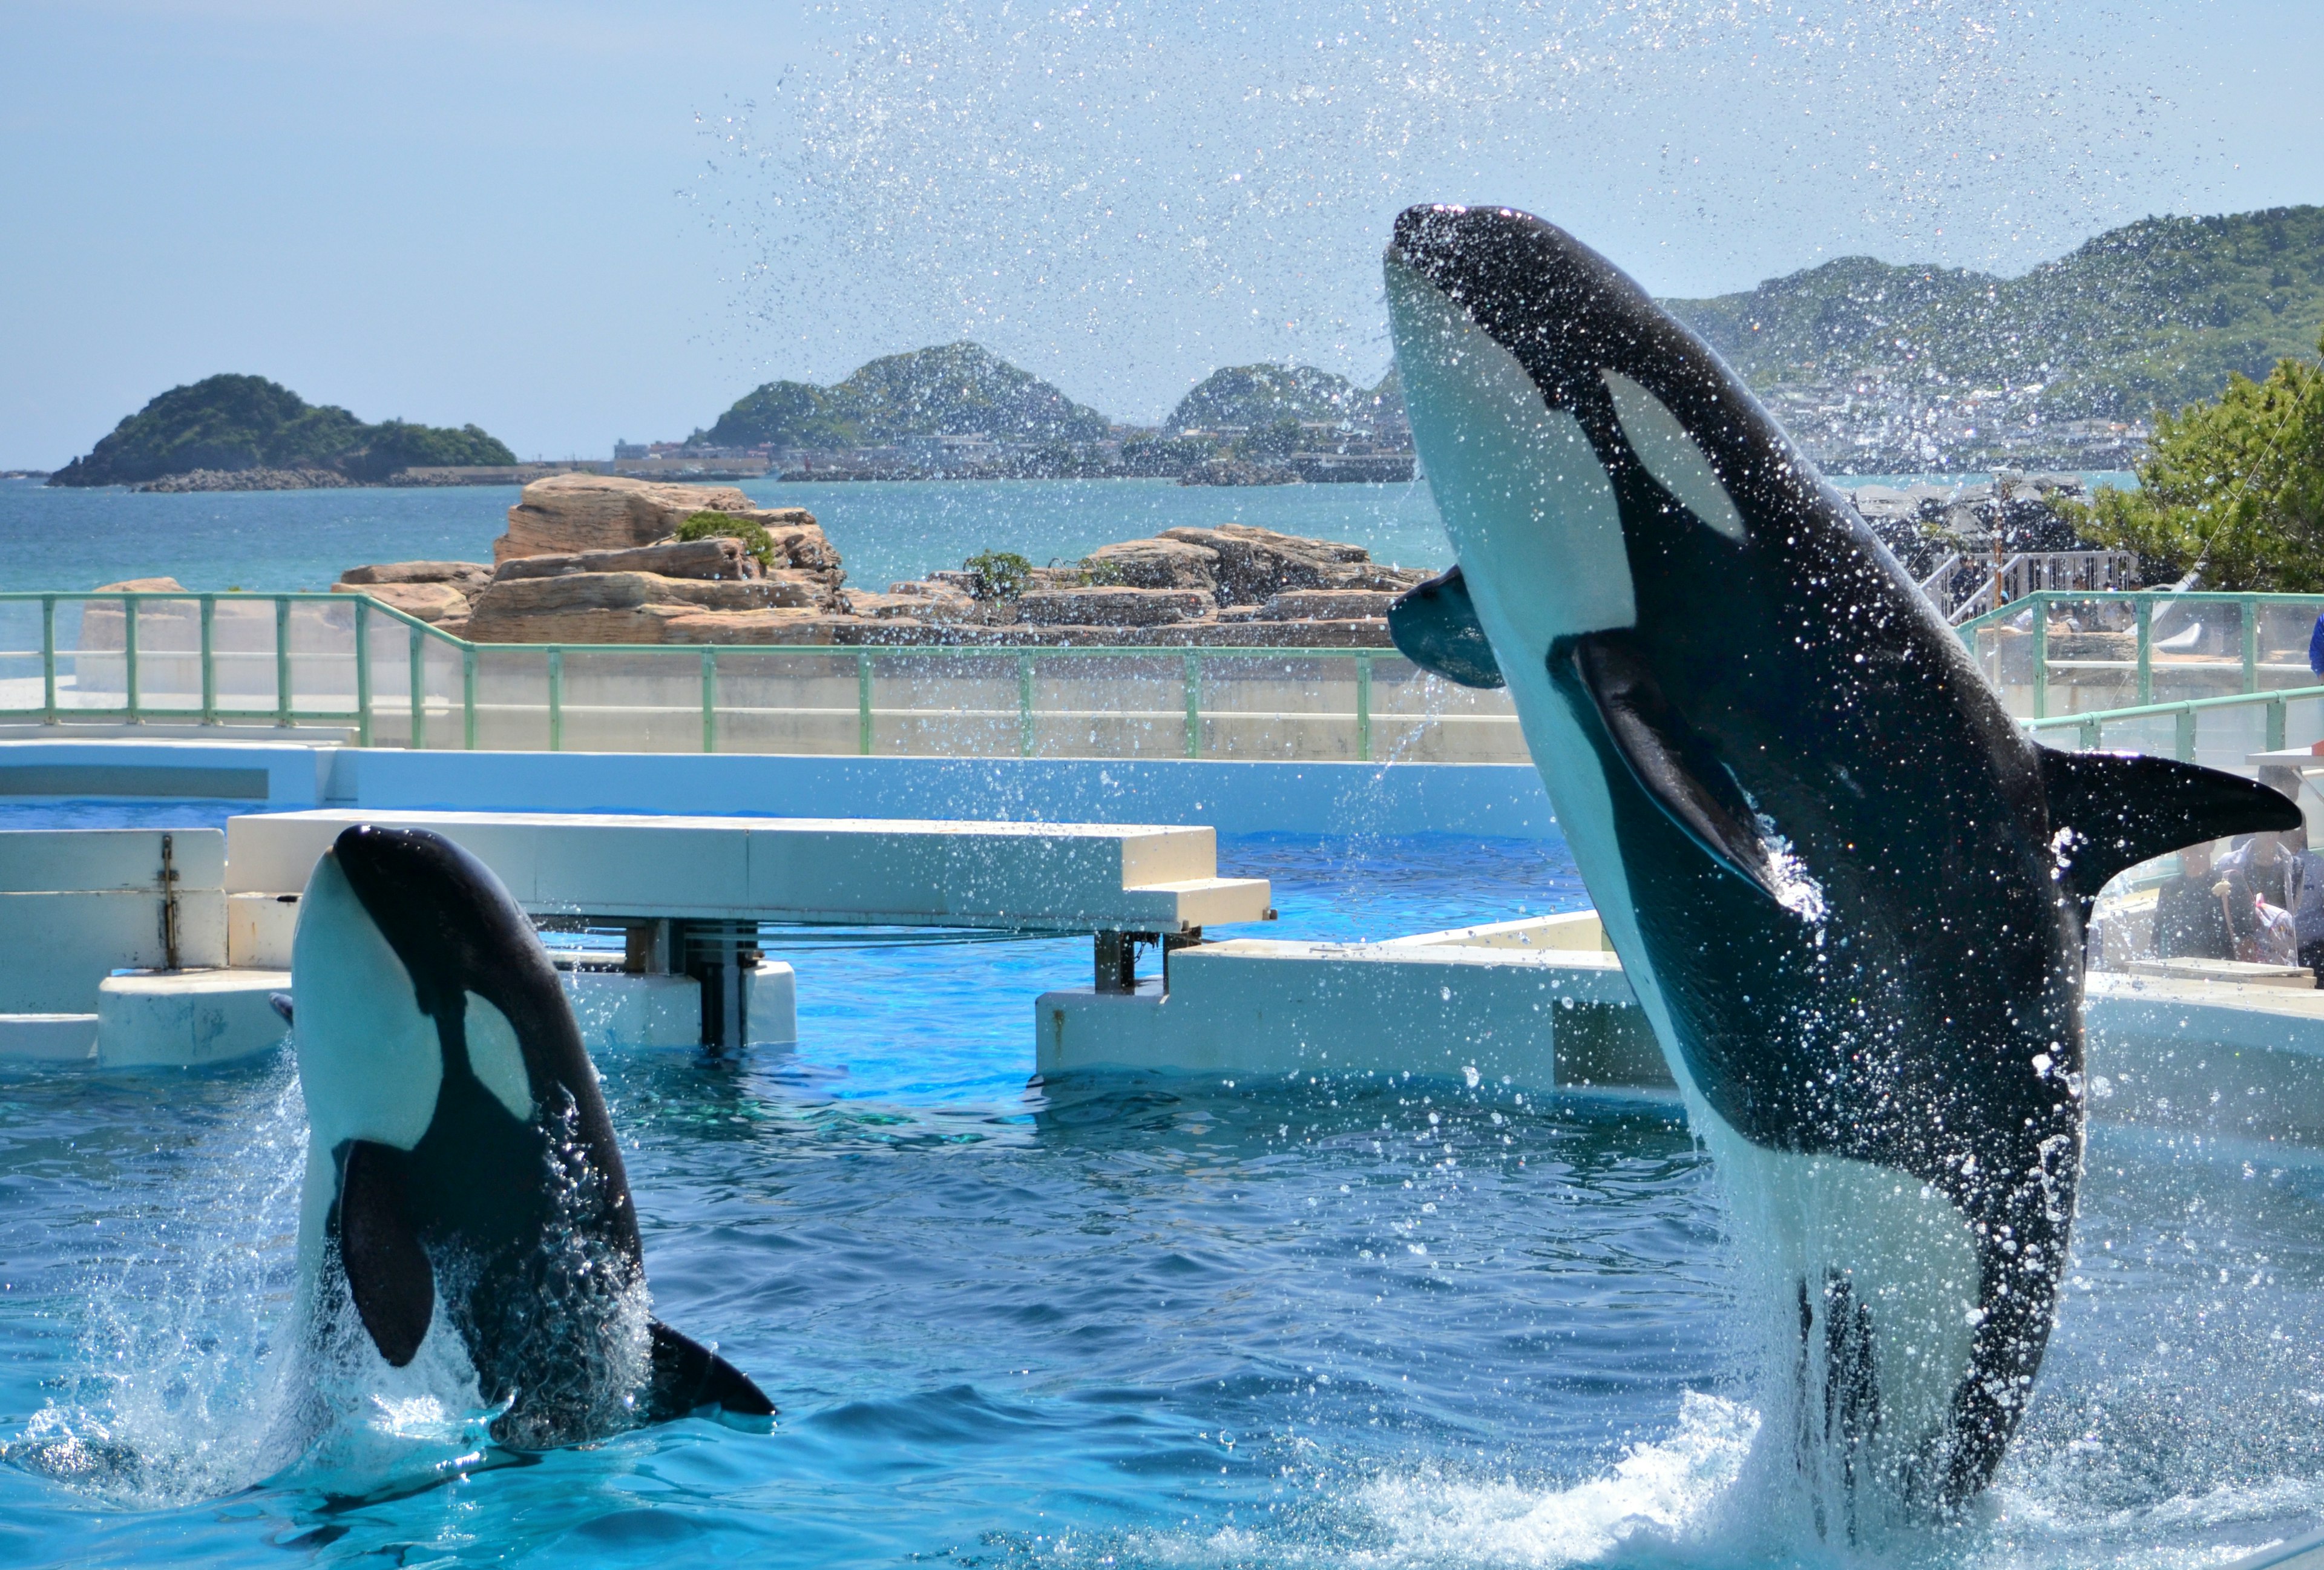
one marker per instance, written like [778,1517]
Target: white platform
[48,1037]
[1055,877]
[1537,1004]
[188,1018]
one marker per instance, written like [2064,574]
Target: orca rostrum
[1848,890]
[462,1179]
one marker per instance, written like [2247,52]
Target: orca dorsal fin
[1434,625]
[2124,809]
[687,1376]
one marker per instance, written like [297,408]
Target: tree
[2232,490]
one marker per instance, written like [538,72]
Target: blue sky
[572,222]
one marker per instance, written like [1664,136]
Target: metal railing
[2057,652]
[1962,587]
[349,661]
[2220,732]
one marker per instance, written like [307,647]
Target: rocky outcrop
[621,607]
[1256,564]
[249,480]
[568,514]
[436,592]
[436,603]
[143,586]
[1157,563]
[1111,606]
[715,559]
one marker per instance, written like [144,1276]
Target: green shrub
[706,525]
[1101,572]
[2233,489]
[998,575]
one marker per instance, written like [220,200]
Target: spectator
[2316,647]
[2265,879]
[2190,920]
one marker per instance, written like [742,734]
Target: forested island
[248,433]
[1873,367]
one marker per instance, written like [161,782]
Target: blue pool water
[1114,1323]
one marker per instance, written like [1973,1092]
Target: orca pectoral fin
[1672,762]
[2125,811]
[1434,625]
[388,1274]
[687,1376]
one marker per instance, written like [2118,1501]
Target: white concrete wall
[78,904]
[281,773]
[1261,1009]
[1500,800]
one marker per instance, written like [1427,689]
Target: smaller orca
[462,1173]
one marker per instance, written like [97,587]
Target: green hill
[951,390]
[2155,314]
[248,422]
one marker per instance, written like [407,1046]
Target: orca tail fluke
[688,1377]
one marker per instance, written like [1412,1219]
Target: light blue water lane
[1126,1322]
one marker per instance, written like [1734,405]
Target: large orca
[462,1174]
[1848,891]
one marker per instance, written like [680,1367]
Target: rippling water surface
[1114,1322]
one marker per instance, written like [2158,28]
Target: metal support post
[1116,960]
[863,702]
[129,654]
[2275,724]
[556,700]
[2040,658]
[2146,650]
[1364,708]
[721,955]
[281,660]
[419,740]
[49,658]
[2182,739]
[363,668]
[709,699]
[209,660]
[468,698]
[1194,705]
[1171,943]
[1024,703]
[2251,645]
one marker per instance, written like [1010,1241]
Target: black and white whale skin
[462,1173]
[1848,890]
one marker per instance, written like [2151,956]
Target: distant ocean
[59,538]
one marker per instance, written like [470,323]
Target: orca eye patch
[1671,456]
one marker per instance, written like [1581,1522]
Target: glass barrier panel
[241,655]
[2154,735]
[2092,655]
[1420,718]
[92,663]
[323,656]
[2225,737]
[443,725]
[511,699]
[623,700]
[2283,633]
[23,687]
[804,703]
[1111,706]
[946,704]
[391,681]
[169,657]
[2303,722]
[2198,650]
[1281,705]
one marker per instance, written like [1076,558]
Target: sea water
[55,538]
[1118,1321]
